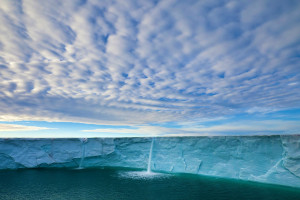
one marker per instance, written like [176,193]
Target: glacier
[267,159]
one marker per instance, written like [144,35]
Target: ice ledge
[269,159]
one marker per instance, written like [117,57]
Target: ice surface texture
[269,159]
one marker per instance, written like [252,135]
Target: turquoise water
[125,184]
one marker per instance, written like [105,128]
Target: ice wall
[269,159]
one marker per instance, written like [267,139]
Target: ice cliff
[269,159]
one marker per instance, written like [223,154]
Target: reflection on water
[143,175]
[129,184]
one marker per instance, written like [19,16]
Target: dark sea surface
[118,184]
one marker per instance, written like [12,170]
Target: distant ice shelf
[268,159]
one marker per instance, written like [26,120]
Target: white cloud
[139,62]
[16,127]
[137,131]
[243,127]
[253,127]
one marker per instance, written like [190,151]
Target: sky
[106,68]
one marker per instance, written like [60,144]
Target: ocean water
[114,183]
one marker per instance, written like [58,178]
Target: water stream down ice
[83,141]
[150,157]
[145,174]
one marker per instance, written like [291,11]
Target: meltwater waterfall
[83,141]
[150,157]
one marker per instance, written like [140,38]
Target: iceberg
[267,159]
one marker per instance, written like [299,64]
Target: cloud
[242,127]
[130,62]
[253,127]
[134,131]
[16,127]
